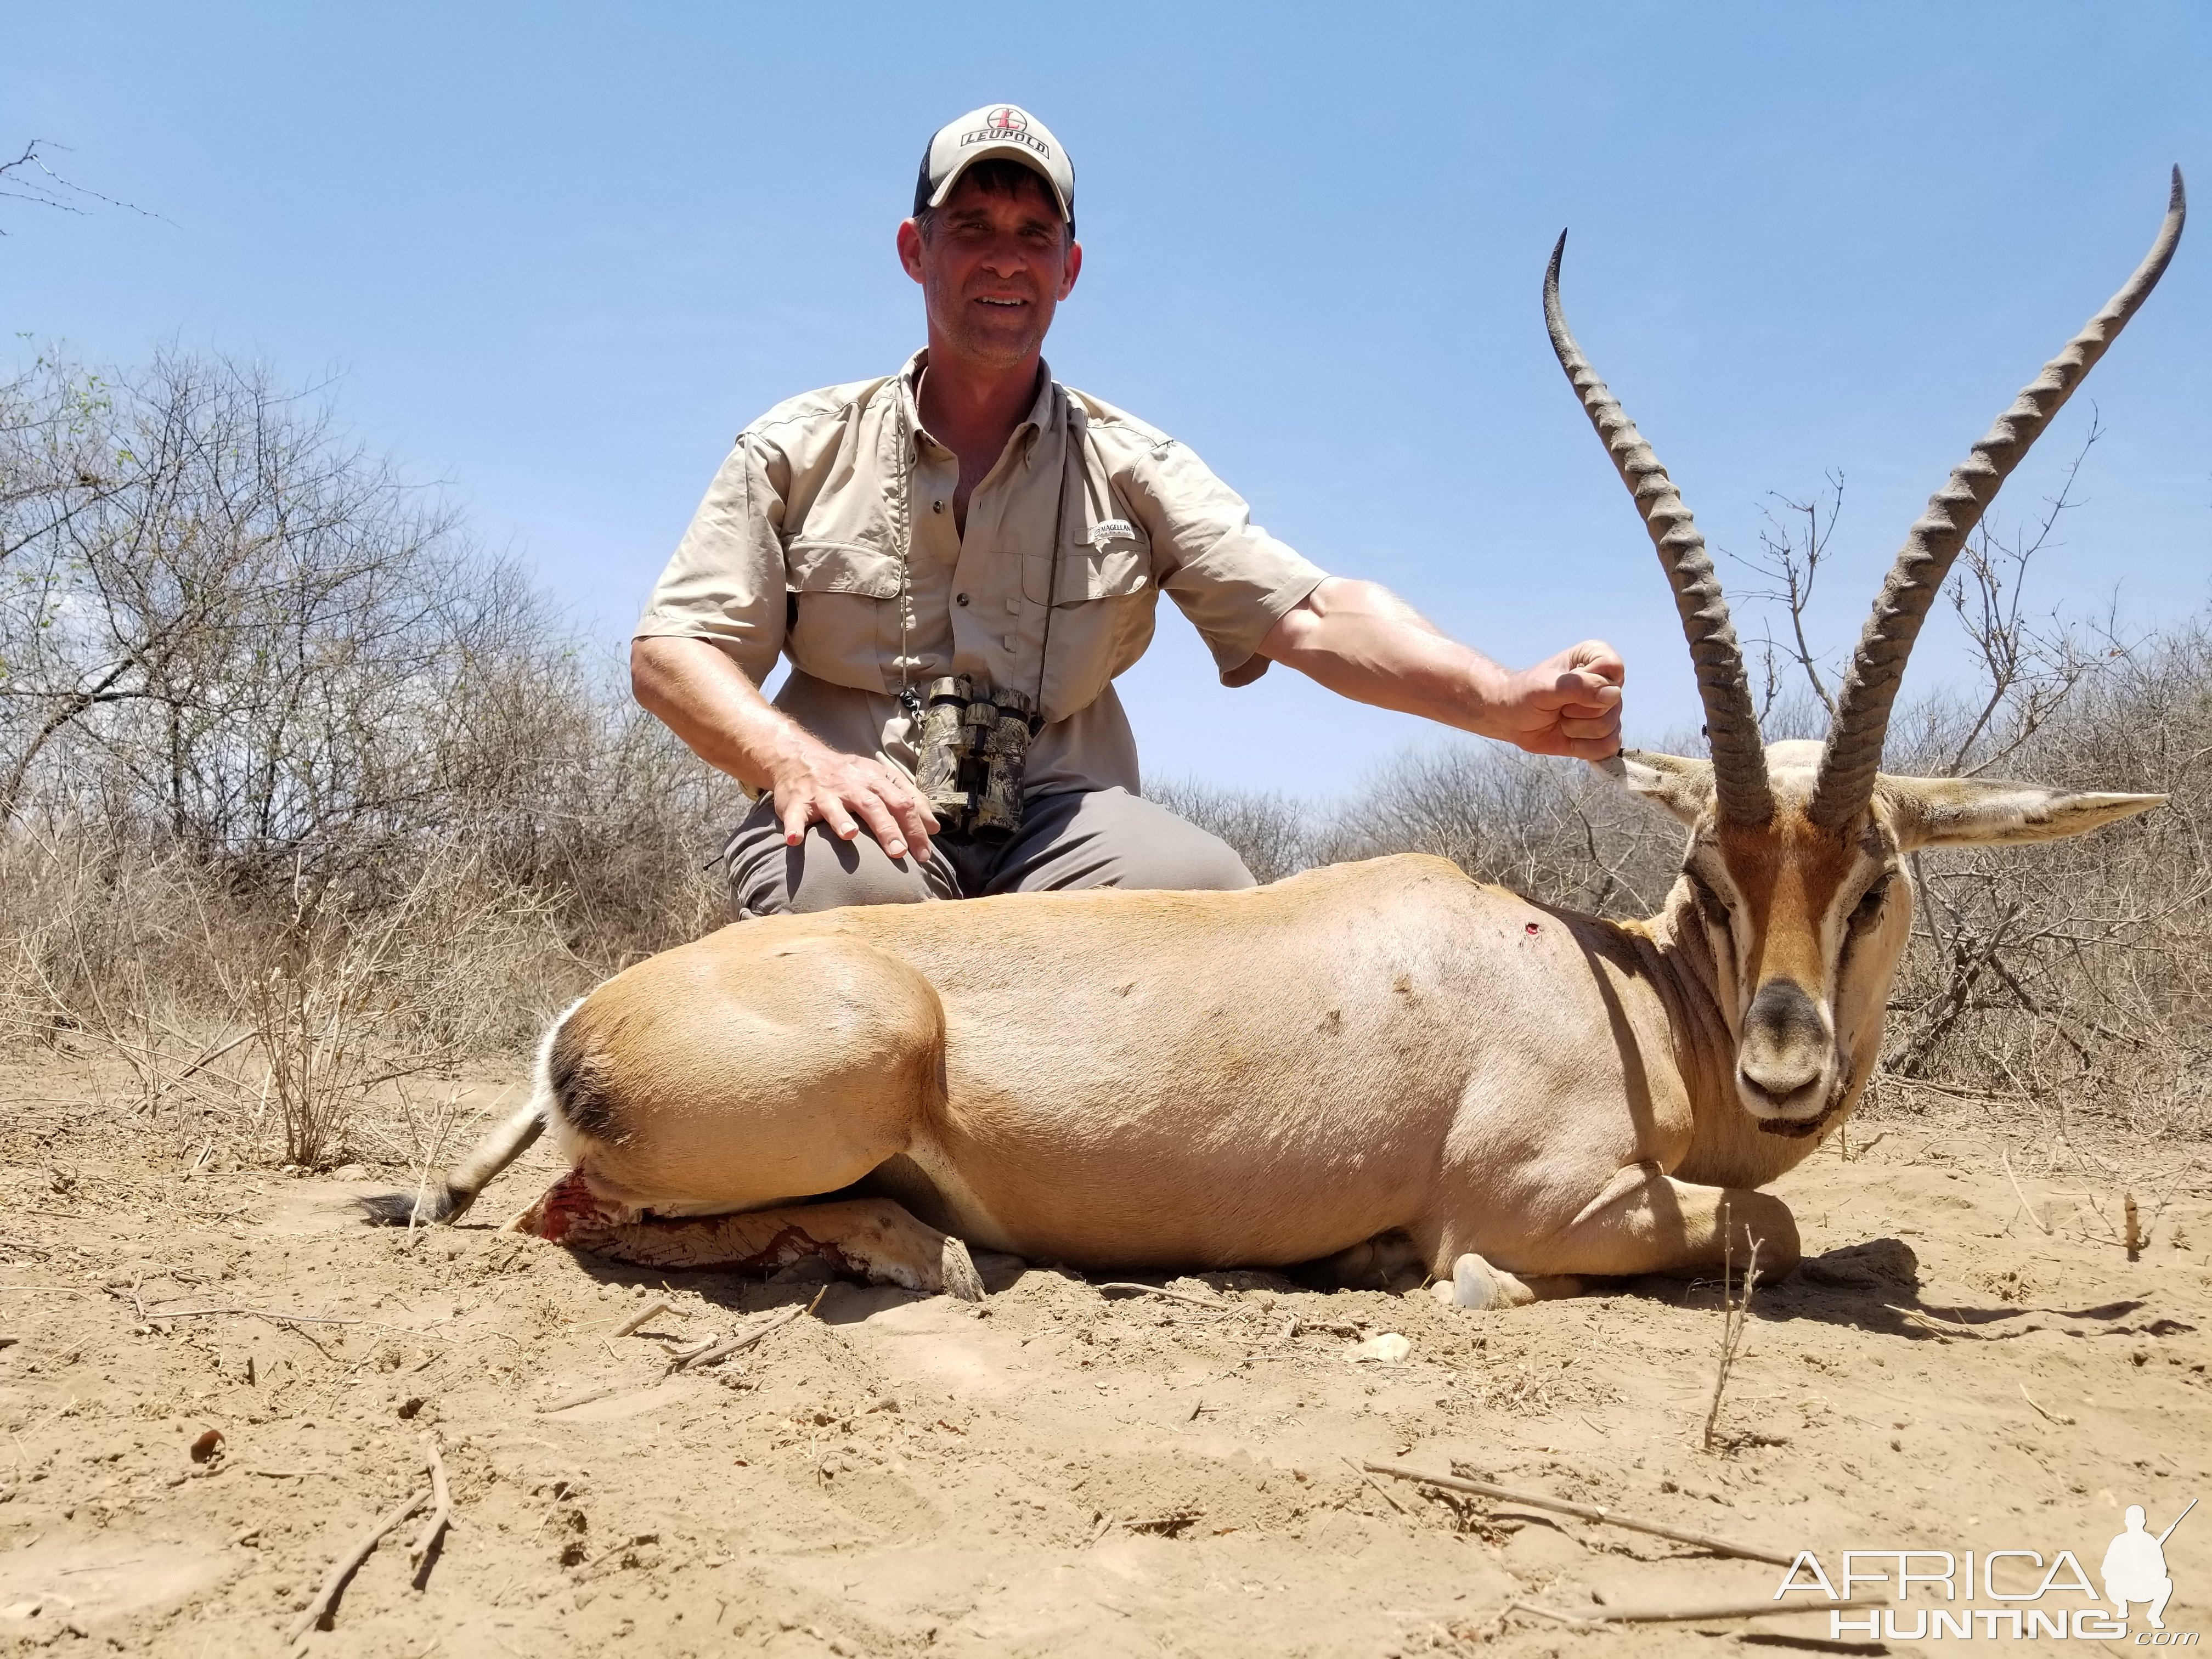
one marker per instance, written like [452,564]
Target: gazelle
[1363,1055]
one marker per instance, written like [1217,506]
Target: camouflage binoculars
[973,741]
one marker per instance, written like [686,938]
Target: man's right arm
[705,699]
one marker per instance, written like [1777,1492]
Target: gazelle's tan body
[1181,1080]
[1327,1064]
[1281,1074]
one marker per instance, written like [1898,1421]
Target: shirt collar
[1042,408]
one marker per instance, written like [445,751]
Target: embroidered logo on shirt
[1112,529]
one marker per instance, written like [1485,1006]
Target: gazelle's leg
[872,1237]
[1643,1222]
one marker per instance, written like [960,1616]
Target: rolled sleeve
[726,581]
[1229,577]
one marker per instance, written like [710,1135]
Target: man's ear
[1684,788]
[1928,812]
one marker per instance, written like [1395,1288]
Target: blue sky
[558,254]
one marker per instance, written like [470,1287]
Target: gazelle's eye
[1869,905]
[1709,905]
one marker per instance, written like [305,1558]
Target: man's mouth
[996,300]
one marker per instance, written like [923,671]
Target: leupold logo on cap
[1007,126]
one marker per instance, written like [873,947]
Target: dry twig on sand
[2048,1416]
[1363,1474]
[343,1568]
[1581,1511]
[1221,1305]
[250,1313]
[1692,1615]
[1734,1310]
[638,1320]
[729,1346]
[418,1552]
[582,1397]
[2004,1157]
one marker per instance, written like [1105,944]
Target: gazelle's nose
[1786,1041]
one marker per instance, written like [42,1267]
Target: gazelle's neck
[1727,1147]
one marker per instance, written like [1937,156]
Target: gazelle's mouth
[1796,1129]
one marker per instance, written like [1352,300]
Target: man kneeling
[959,558]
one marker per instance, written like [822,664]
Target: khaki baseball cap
[996,130]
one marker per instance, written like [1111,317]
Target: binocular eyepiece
[973,744]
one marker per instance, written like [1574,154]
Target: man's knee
[1110,838]
[1185,860]
[825,874]
[822,873]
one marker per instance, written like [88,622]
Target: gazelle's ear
[1684,788]
[1992,812]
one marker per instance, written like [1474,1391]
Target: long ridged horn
[1852,755]
[1739,784]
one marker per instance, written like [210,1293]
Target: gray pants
[1094,838]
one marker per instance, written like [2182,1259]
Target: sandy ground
[1059,1470]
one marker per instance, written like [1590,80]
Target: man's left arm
[1364,642]
[1254,599]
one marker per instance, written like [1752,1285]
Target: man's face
[992,270]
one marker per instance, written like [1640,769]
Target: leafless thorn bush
[301,795]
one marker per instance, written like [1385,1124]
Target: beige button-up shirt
[828,536]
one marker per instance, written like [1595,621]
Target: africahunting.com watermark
[2033,1599]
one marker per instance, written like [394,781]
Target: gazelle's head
[1804,923]
[1796,871]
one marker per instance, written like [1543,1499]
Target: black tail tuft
[437,1202]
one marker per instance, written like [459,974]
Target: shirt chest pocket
[828,567]
[837,626]
[1111,566]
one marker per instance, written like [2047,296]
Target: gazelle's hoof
[958,1270]
[1476,1285]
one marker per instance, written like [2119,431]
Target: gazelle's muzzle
[1785,1062]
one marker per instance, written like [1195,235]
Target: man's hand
[705,699]
[812,780]
[1569,704]
[1364,642]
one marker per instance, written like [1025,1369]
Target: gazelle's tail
[447,1197]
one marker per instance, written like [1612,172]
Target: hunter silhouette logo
[2135,1566]
[2027,1606]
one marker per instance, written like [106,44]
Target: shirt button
[960,598]
[1013,607]
[1010,641]
[936,506]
